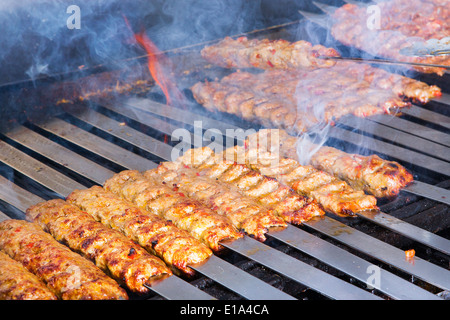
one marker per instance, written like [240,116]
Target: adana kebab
[253,209]
[188,214]
[161,237]
[372,174]
[17,283]
[334,195]
[298,100]
[111,251]
[403,24]
[66,273]
[267,54]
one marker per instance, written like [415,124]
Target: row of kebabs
[143,227]
[297,91]
[402,24]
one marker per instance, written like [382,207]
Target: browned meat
[267,54]
[65,272]
[296,101]
[372,174]
[158,236]
[188,214]
[334,195]
[111,251]
[402,24]
[244,212]
[235,190]
[17,283]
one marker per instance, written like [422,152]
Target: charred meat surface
[17,283]
[267,54]
[237,191]
[245,213]
[161,237]
[188,214]
[334,195]
[298,100]
[65,272]
[372,174]
[115,254]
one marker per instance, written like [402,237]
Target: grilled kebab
[165,201]
[334,195]
[110,250]
[253,209]
[17,283]
[402,24]
[372,174]
[298,100]
[69,275]
[267,54]
[158,236]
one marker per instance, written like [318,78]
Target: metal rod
[382,251]
[352,265]
[298,271]
[386,129]
[408,230]
[385,61]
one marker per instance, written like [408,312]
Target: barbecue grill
[123,122]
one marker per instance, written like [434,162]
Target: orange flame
[158,65]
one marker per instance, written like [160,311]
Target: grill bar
[408,230]
[418,131]
[382,251]
[432,147]
[357,267]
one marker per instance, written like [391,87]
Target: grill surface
[327,258]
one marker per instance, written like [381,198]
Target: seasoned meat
[17,283]
[372,174]
[188,214]
[236,190]
[158,236]
[403,23]
[333,194]
[245,213]
[267,54]
[297,101]
[65,272]
[111,251]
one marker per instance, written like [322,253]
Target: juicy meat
[65,272]
[334,195]
[234,189]
[297,100]
[17,283]
[267,54]
[372,174]
[245,213]
[402,24]
[188,214]
[161,237]
[111,251]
